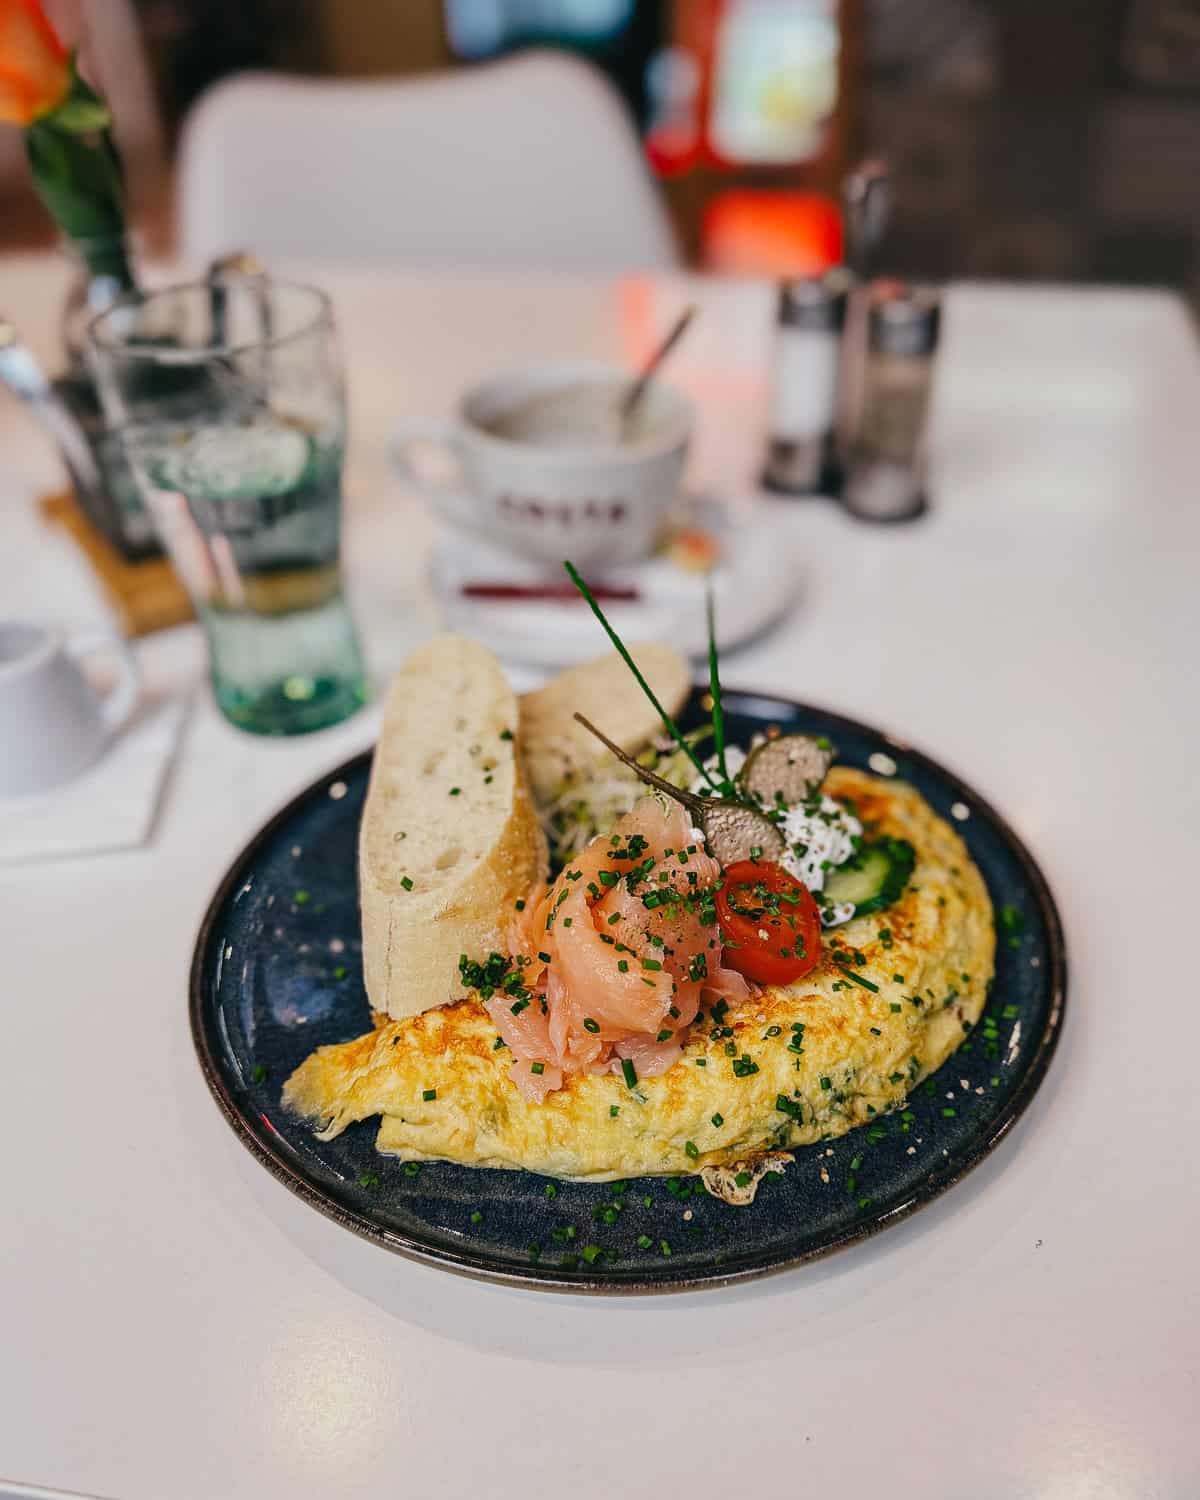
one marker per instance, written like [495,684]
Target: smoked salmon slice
[617,955]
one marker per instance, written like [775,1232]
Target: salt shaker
[885,478]
[804,388]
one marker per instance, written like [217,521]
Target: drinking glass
[229,399]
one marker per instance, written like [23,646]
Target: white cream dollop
[818,841]
[819,836]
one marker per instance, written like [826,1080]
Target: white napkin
[110,806]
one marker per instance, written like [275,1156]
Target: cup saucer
[530,616]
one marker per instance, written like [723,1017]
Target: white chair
[530,162]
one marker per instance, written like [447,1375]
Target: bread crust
[449,811]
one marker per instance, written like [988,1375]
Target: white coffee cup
[53,723]
[522,479]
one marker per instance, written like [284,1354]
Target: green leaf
[77,174]
[80,115]
[78,178]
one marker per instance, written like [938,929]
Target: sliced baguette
[448,809]
[558,749]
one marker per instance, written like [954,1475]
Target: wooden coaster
[145,595]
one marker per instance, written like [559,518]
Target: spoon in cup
[632,398]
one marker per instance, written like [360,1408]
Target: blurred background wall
[1050,139]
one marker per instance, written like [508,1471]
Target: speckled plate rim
[767,1263]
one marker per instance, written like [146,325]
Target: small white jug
[53,723]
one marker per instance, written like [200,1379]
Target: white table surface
[177,1324]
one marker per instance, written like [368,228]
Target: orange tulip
[35,67]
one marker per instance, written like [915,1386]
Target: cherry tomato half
[769,921]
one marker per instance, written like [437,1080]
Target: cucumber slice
[874,878]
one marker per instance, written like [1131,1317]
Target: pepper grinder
[885,479]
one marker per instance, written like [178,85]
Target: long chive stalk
[667,722]
[714,688]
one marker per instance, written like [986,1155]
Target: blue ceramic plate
[277,971]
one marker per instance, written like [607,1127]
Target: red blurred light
[763,233]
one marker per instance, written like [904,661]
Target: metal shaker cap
[815,302]
[903,320]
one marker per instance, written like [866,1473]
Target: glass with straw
[229,398]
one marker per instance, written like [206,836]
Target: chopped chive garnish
[405,881]
[258,1073]
[895,1008]
[591,1253]
[664,1247]
[429,1095]
[551,1190]
[340,972]
[476,1217]
[538,1067]
[613,1111]
[630,1073]
[857,978]
[718,1121]
[644,1242]
[301,898]
[692,1149]
[742,1179]
[519,903]
[590,1025]
[825,1083]
[665,1035]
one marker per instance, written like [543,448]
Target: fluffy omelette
[922,969]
